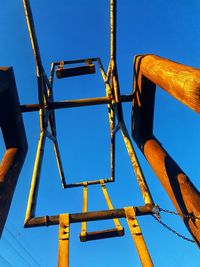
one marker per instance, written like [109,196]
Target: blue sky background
[79,29]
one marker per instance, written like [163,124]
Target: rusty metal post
[181,82]
[137,236]
[14,135]
[63,250]
[184,195]
[148,200]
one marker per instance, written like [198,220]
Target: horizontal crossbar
[76,71]
[108,233]
[75,103]
[87,216]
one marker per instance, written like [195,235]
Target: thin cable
[21,245]
[25,242]
[6,261]
[16,251]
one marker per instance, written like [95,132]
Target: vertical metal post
[113,29]
[63,246]
[139,241]
[85,207]
[111,116]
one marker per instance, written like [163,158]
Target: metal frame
[46,107]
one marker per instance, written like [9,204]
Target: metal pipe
[93,182]
[84,209]
[88,216]
[184,195]
[180,81]
[13,132]
[137,236]
[136,166]
[31,206]
[59,164]
[36,51]
[65,62]
[63,241]
[32,32]
[75,103]
[113,29]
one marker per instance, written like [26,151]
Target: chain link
[190,216]
[172,230]
[157,217]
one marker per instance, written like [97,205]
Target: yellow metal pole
[139,241]
[63,247]
[110,206]
[85,206]
[136,166]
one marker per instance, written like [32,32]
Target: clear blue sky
[80,29]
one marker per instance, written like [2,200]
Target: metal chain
[190,216]
[157,217]
[172,230]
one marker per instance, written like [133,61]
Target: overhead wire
[16,251]
[6,261]
[23,247]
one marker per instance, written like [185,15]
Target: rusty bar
[76,71]
[113,29]
[180,81]
[111,116]
[52,122]
[31,206]
[31,28]
[139,241]
[59,164]
[88,216]
[83,233]
[63,247]
[75,103]
[184,195]
[92,182]
[136,166]
[36,51]
[84,60]
[108,233]
[14,135]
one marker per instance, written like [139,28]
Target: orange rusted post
[12,127]
[184,195]
[182,83]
